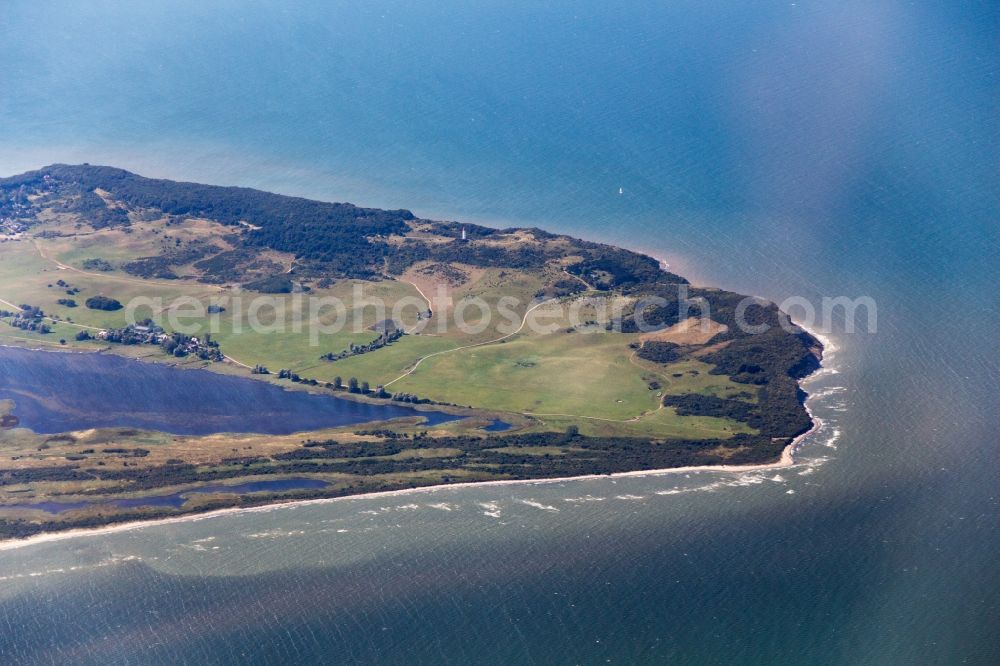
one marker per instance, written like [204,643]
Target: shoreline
[785,460]
[457,411]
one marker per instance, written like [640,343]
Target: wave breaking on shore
[786,460]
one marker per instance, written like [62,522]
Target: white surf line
[524,321]
[829,348]
[10,544]
[786,460]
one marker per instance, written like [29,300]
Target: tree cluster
[103,303]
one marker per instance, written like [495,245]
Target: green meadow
[563,377]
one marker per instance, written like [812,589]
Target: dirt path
[56,321]
[427,300]
[106,276]
[577,277]
[634,419]
[233,360]
[524,320]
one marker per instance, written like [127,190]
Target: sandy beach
[787,459]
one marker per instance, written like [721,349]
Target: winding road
[524,320]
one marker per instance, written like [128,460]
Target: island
[506,354]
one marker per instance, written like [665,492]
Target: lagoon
[61,392]
[777,148]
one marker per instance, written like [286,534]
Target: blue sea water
[777,148]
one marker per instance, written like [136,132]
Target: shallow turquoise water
[810,149]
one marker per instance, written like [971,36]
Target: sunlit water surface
[809,149]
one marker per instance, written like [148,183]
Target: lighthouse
[463,234]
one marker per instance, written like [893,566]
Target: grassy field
[26,276]
[357,462]
[578,397]
[589,376]
[558,373]
[581,376]
[662,423]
